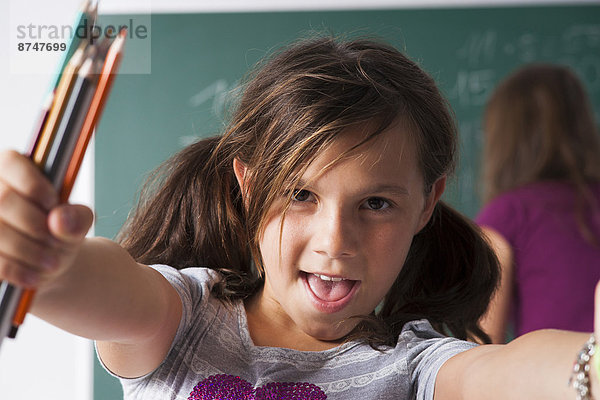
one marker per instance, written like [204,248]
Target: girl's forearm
[534,366]
[106,296]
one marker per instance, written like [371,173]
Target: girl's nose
[335,234]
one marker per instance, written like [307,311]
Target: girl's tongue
[327,290]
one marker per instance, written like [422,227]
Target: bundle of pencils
[68,118]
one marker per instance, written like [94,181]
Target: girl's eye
[377,203]
[301,195]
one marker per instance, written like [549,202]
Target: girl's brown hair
[293,107]
[539,126]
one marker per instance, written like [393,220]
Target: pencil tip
[92,10]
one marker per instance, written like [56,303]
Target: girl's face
[345,236]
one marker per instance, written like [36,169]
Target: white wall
[43,361]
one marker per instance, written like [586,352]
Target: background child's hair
[539,126]
[292,108]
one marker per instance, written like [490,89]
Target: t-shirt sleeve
[503,215]
[193,285]
[427,351]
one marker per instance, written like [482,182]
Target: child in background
[541,177]
[303,254]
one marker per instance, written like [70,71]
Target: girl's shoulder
[193,276]
[193,285]
[419,330]
[425,351]
[421,334]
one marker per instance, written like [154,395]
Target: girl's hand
[39,238]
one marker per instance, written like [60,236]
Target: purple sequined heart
[228,387]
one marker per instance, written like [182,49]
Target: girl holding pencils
[302,254]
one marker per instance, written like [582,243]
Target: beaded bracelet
[580,376]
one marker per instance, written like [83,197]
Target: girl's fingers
[16,274]
[22,214]
[38,237]
[19,248]
[19,173]
[25,261]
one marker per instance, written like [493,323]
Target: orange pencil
[107,75]
[37,131]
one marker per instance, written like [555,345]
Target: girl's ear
[239,169]
[437,189]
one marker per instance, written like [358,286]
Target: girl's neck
[273,328]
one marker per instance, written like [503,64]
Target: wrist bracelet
[580,376]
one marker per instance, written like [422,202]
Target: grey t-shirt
[213,357]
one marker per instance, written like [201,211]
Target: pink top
[556,270]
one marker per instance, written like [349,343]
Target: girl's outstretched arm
[88,286]
[129,308]
[536,365]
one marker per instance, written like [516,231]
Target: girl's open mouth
[328,293]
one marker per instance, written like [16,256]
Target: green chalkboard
[195,60]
